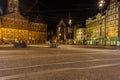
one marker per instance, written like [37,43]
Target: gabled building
[61,31]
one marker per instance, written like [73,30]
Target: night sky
[53,10]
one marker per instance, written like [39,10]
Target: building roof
[16,15]
[61,23]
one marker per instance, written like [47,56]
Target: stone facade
[79,36]
[106,32]
[95,30]
[16,28]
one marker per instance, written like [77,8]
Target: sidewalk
[96,46]
[6,45]
[39,45]
[64,46]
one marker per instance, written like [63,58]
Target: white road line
[57,70]
[14,57]
[62,63]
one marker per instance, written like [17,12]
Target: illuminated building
[16,28]
[110,31]
[79,36]
[95,35]
[113,20]
[61,31]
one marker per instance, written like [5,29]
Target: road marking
[56,70]
[62,63]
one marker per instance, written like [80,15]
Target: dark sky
[53,10]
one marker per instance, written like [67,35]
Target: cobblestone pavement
[64,63]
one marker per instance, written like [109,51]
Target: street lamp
[70,23]
[101,4]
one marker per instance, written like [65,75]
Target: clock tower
[13,6]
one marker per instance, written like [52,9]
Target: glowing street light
[70,22]
[101,4]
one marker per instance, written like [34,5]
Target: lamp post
[101,4]
[70,23]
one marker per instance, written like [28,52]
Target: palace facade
[16,28]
